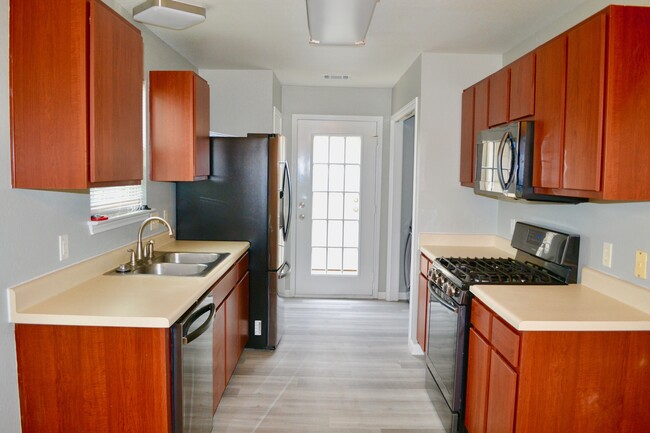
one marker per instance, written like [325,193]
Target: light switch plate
[641,265]
[607,254]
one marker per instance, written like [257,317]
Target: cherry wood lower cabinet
[423,302]
[80,379]
[540,382]
[230,325]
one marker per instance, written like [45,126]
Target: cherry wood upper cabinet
[522,88]
[604,152]
[76,95]
[550,87]
[499,97]
[584,104]
[180,126]
[467,139]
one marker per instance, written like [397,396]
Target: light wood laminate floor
[343,366]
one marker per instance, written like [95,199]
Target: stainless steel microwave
[504,164]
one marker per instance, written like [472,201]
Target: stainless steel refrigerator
[246,198]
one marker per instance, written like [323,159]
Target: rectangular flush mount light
[339,22]
[170,14]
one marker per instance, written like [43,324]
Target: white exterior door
[336,194]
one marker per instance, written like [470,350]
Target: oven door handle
[444,303]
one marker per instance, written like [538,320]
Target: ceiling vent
[335,77]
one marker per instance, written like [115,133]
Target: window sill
[119,221]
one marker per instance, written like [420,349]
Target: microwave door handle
[513,160]
[502,146]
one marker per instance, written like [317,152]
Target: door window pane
[352,206]
[353,150]
[337,176]
[337,150]
[350,260]
[335,234]
[319,208]
[319,177]
[318,260]
[319,233]
[352,178]
[321,149]
[335,259]
[335,209]
[351,234]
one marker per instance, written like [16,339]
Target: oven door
[445,354]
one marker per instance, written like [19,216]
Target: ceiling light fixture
[170,14]
[339,22]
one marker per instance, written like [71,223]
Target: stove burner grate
[497,271]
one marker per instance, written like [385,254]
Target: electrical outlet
[258,327]
[641,265]
[64,251]
[607,254]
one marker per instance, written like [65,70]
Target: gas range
[543,257]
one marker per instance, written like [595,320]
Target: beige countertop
[599,303]
[83,295]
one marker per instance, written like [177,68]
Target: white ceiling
[272,34]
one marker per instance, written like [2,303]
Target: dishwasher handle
[188,338]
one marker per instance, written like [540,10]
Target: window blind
[116,200]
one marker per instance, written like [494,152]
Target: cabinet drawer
[505,341]
[424,265]
[481,319]
[222,288]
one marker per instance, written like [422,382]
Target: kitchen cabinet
[474,120]
[601,152]
[423,302]
[522,88]
[542,381]
[179,104]
[112,379]
[230,294]
[467,146]
[498,97]
[76,95]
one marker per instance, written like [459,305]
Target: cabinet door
[501,396]
[522,88]
[116,77]
[219,356]
[467,165]
[180,127]
[550,85]
[201,128]
[584,105]
[478,369]
[242,289]
[480,107]
[423,303]
[499,97]
[232,333]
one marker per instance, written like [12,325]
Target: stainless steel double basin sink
[175,264]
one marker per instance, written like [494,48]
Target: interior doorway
[402,202]
[336,225]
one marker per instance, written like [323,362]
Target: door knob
[301,205]
[301,216]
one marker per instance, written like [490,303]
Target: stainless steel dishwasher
[192,368]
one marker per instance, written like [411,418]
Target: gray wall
[32,220]
[241,101]
[344,101]
[408,87]
[443,206]
[625,225]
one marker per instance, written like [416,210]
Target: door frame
[394,258]
[379,121]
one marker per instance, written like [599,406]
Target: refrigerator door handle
[286,193]
[285,270]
